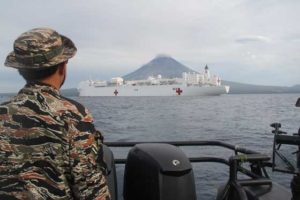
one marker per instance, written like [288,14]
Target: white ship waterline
[191,84]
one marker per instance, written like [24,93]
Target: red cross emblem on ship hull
[116,92]
[178,91]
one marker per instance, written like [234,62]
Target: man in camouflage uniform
[49,148]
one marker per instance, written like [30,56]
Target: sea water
[242,120]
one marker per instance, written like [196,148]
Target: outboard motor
[111,177]
[298,103]
[156,171]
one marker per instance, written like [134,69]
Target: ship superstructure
[190,84]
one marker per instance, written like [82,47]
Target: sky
[247,41]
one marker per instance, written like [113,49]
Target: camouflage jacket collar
[39,87]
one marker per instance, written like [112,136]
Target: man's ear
[62,68]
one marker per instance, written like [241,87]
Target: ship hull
[152,90]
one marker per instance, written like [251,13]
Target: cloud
[253,38]
[294,38]
[116,37]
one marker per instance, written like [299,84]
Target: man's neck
[57,79]
[53,81]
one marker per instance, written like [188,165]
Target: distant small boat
[191,84]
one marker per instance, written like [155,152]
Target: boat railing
[247,155]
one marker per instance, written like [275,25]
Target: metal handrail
[187,143]
[235,148]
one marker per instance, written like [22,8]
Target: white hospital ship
[191,84]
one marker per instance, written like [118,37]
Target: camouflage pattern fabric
[40,48]
[49,148]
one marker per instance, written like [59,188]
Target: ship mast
[206,73]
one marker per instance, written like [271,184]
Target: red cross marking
[178,91]
[116,92]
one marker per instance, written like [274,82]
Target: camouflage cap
[40,48]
